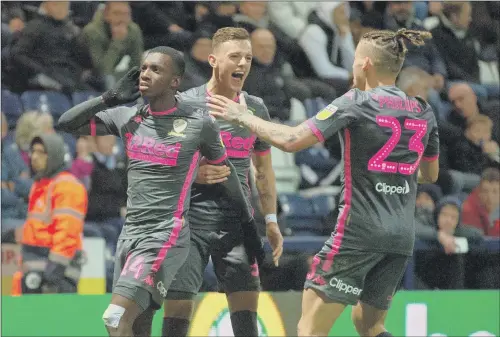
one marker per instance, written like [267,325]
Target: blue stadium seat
[92,230]
[12,107]
[52,101]
[299,215]
[82,96]
[323,205]
[70,141]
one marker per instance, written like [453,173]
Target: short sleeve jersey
[163,150]
[209,205]
[384,135]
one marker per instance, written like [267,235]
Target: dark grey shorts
[233,270]
[348,275]
[149,264]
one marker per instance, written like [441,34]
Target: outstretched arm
[284,137]
[81,119]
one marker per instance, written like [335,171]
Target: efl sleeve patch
[327,112]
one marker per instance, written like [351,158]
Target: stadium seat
[82,96]
[12,107]
[50,101]
[92,230]
[299,215]
[70,142]
[323,205]
[287,174]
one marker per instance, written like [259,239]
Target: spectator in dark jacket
[198,70]
[475,151]
[49,55]
[466,106]
[445,270]
[459,49]
[163,23]
[108,188]
[264,80]
[218,14]
[452,38]
[16,180]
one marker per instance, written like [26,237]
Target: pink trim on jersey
[339,230]
[161,113]
[236,99]
[254,267]
[250,190]
[93,131]
[178,220]
[315,130]
[430,158]
[218,161]
[262,153]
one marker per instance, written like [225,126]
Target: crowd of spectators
[303,55]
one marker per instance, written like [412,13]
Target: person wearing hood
[445,271]
[428,196]
[52,234]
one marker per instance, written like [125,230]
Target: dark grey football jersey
[210,207]
[163,150]
[384,134]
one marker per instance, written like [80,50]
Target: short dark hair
[176,57]
[491,174]
[229,34]
[390,49]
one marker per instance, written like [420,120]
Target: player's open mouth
[238,75]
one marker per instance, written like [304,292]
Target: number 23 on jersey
[378,161]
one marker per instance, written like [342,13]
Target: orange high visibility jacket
[54,226]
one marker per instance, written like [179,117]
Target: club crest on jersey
[327,112]
[179,127]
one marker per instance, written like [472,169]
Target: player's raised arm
[287,138]
[82,120]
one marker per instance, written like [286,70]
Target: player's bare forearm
[284,137]
[266,183]
[76,120]
[428,172]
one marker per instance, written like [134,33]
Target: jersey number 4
[378,162]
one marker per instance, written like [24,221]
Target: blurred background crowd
[57,54]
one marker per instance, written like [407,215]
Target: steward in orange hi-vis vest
[53,231]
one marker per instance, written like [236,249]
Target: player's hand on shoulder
[126,90]
[211,174]
[225,108]
[275,239]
